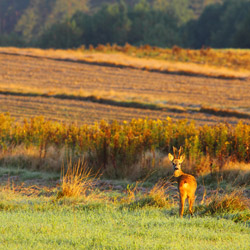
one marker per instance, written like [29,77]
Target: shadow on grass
[237,215]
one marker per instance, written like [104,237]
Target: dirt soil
[38,74]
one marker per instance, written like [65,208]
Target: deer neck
[178,173]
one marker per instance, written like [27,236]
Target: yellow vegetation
[77,180]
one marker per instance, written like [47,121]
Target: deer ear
[170,157]
[182,158]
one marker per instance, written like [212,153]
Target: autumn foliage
[119,146]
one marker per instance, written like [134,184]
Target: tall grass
[119,149]
[77,180]
[234,59]
[158,196]
[224,202]
[233,205]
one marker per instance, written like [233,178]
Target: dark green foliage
[29,19]
[110,24]
[10,13]
[242,36]
[115,23]
[164,23]
[200,31]
[32,18]
[233,13]
[61,35]
[12,39]
[153,27]
[221,25]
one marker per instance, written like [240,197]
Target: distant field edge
[114,64]
[126,104]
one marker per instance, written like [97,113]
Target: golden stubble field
[29,83]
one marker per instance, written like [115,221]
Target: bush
[117,149]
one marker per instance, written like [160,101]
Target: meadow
[109,217]
[56,189]
[110,228]
[84,136]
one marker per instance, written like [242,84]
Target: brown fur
[186,183]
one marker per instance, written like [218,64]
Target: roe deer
[186,183]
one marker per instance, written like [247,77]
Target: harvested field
[39,75]
[83,112]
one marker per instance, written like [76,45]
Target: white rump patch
[185,185]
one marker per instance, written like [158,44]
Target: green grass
[44,223]
[26,174]
[111,220]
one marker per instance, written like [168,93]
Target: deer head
[176,161]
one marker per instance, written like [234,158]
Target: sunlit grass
[77,180]
[38,225]
[207,62]
[228,202]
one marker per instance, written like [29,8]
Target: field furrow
[19,73]
[87,112]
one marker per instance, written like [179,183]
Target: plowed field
[27,74]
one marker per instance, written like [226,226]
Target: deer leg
[191,202]
[182,203]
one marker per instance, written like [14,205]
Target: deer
[186,183]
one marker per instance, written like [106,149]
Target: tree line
[163,23]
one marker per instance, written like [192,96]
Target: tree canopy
[164,23]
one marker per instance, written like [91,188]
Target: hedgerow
[121,145]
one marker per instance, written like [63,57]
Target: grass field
[107,217]
[110,228]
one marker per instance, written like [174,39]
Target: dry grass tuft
[158,194]
[131,192]
[157,197]
[77,181]
[224,202]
